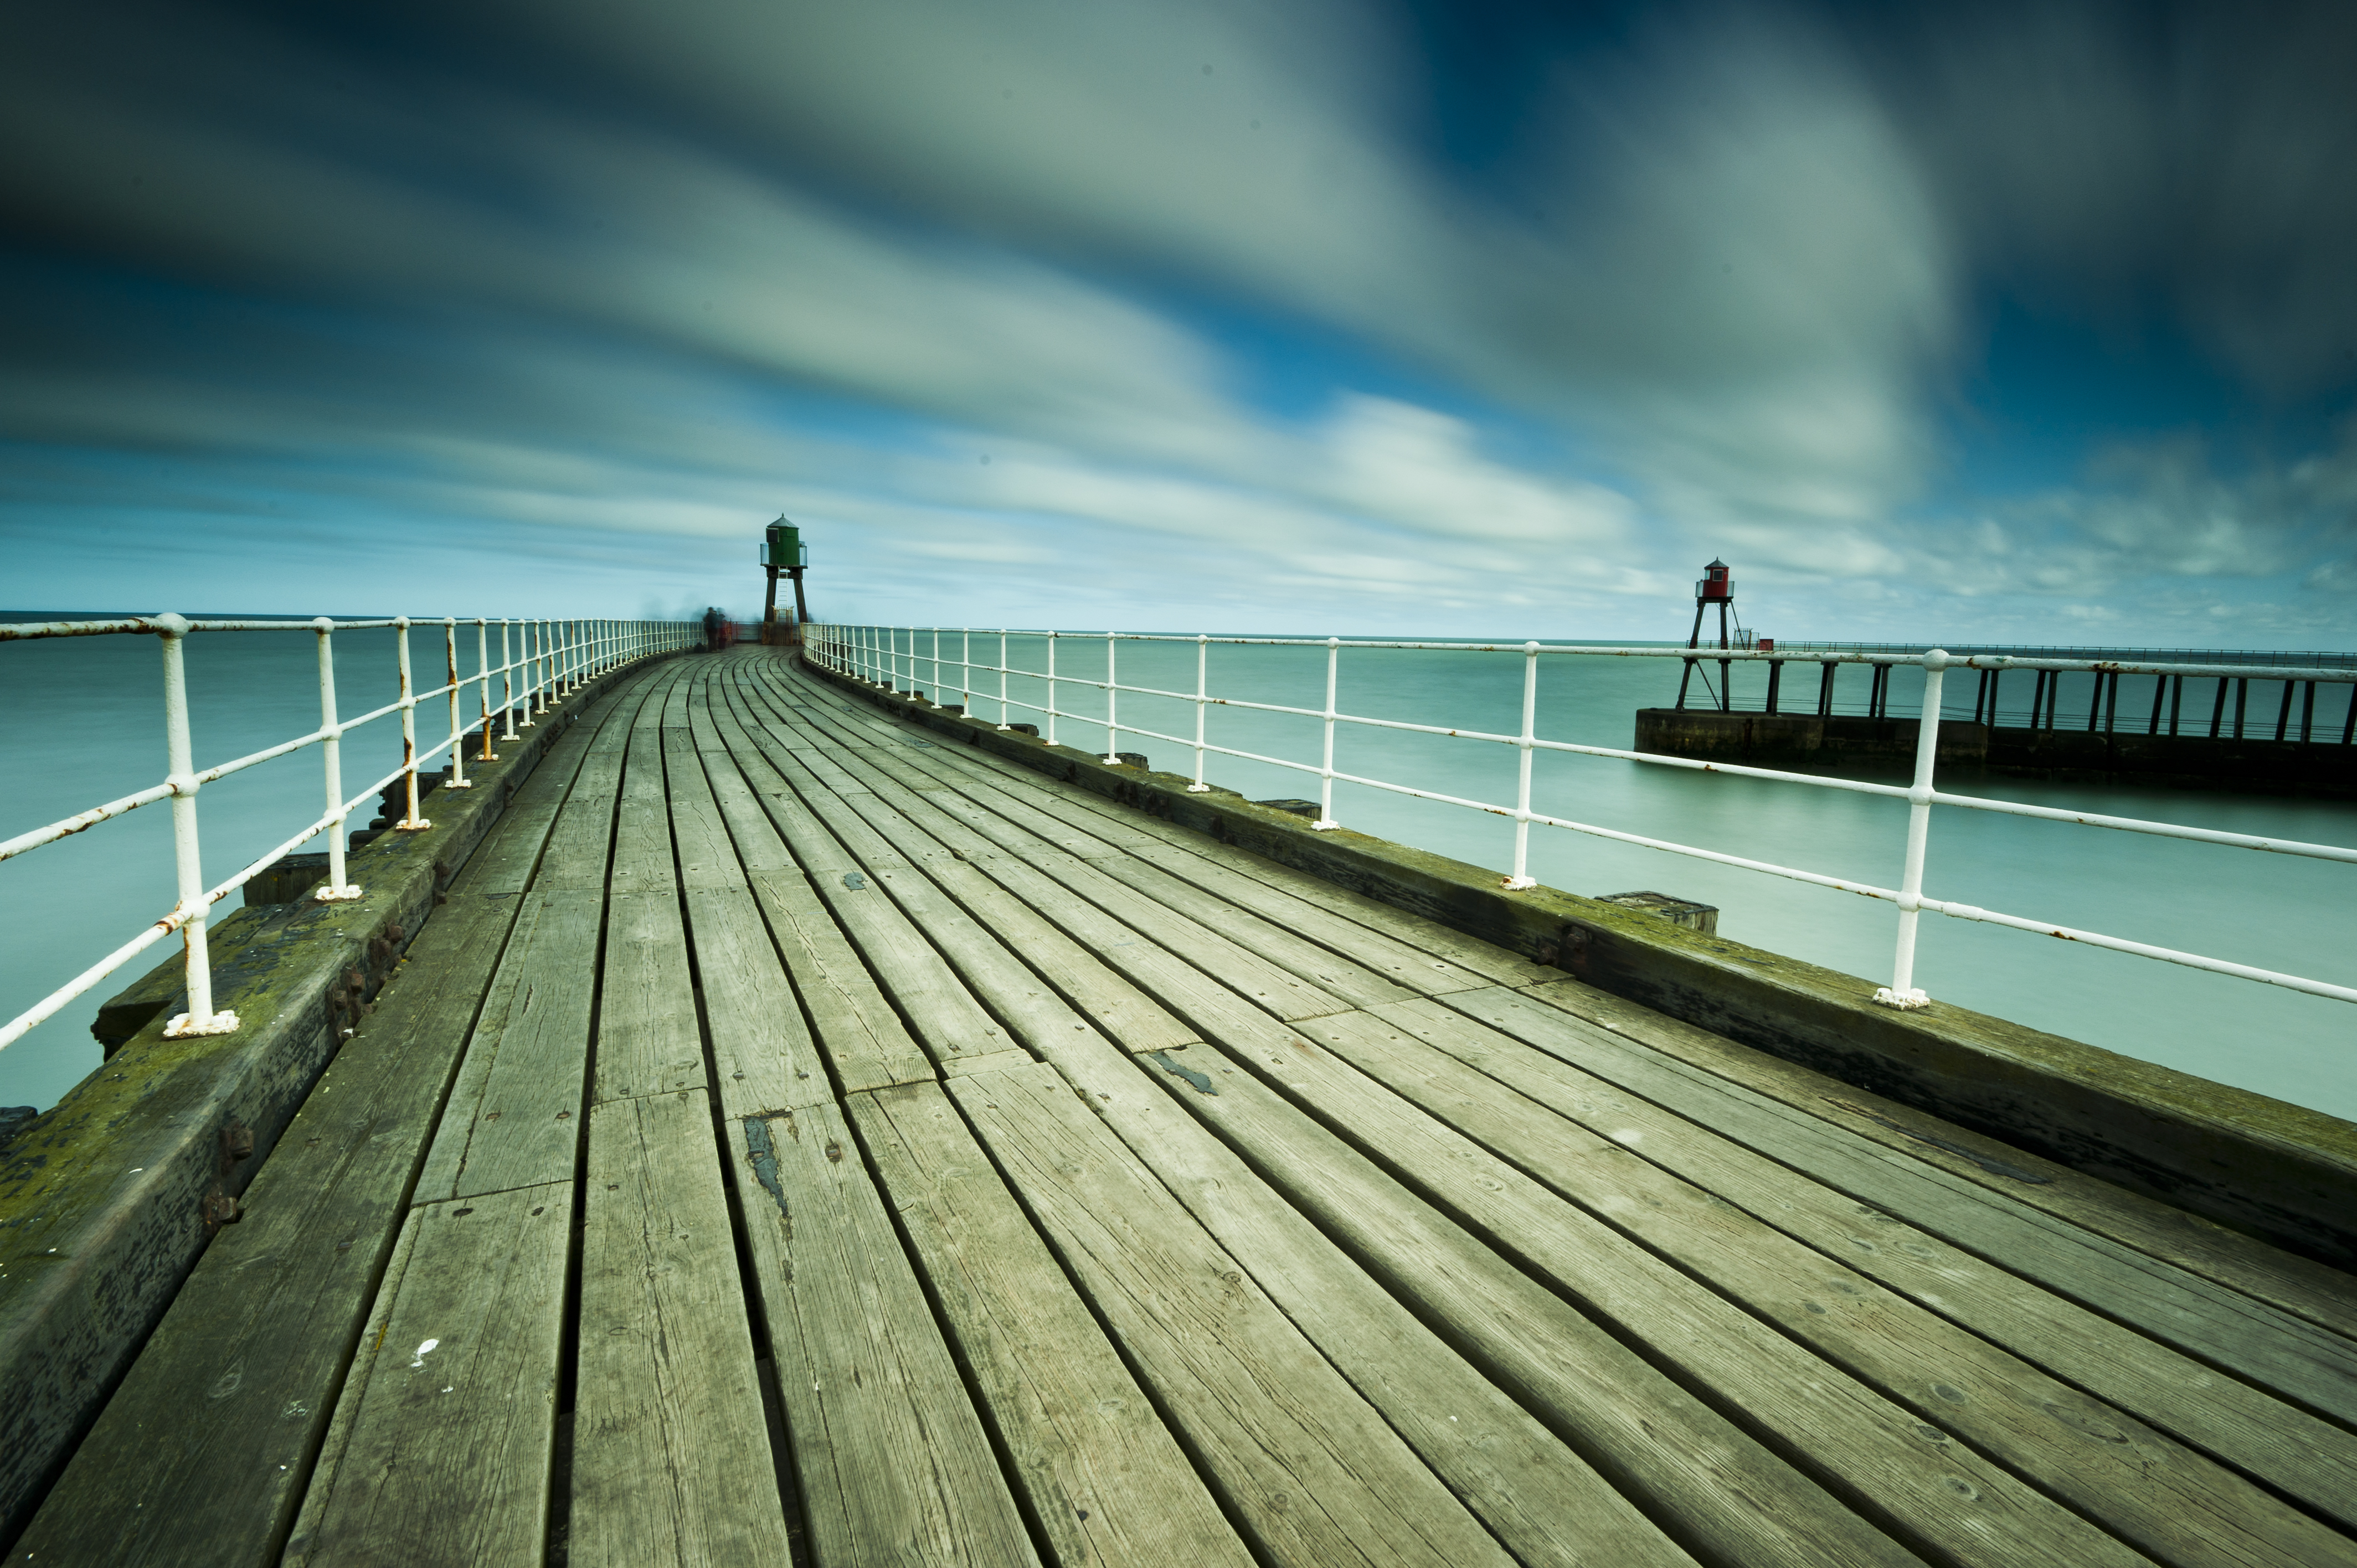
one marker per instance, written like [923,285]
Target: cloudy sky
[1971,322]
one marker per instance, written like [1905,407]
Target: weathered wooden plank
[854,1026]
[1246,973]
[1711,1486]
[1082,938]
[2164,1499]
[514,1118]
[939,1011]
[2298,1285]
[1724,1493]
[531,1125]
[823,769]
[649,1040]
[993,1061]
[1054,971]
[2295,1359]
[758,1039]
[318,1489]
[707,857]
[1298,905]
[1307,1470]
[1090,837]
[895,1466]
[977,948]
[1932,1488]
[844,817]
[671,1451]
[1443,942]
[1370,974]
[449,1452]
[259,1335]
[1102,1474]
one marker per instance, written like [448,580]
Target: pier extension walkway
[800,1139]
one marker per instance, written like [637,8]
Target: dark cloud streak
[565,261]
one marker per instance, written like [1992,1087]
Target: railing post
[936,666]
[200,1018]
[527,649]
[1112,725]
[1325,773]
[965,669]
[1202,647]
[1001,677]
[1902,991]
[457,779]
[1051,688]
[483,672]
[411,823]
[506,681]
[1522,877]
[331,765]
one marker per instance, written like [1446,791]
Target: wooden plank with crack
[1166,1001]
[515,1111]
[894,1463]
[671,1451]
[1310,1212]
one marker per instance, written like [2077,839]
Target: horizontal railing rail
[539,661]
[893,657]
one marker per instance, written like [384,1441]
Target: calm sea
[81,722]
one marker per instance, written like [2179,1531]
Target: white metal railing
[892,658]
[545,661]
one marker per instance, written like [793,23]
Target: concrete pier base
[1843,742]
[1800,740]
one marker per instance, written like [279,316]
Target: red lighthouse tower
[1714,587]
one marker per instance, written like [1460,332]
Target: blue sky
[2028,322]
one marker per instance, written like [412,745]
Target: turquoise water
[81,721]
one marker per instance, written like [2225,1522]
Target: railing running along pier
[891,657]
[540,663]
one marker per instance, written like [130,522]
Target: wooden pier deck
[797,1139]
